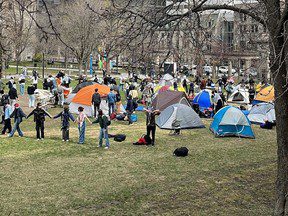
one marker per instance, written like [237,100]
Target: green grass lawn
[229,176]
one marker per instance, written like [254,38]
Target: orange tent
[266,94]
[84,96]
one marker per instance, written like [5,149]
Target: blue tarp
[139,108]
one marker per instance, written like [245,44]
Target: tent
[167,98]
[159,88]
[82,85]
[84,98]
[180,88]
[240,95]
[266,94]
[203,99]
[230,121]
[179,116]
[261,112]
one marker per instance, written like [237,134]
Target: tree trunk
[281,108]
[80,66]
[279,72]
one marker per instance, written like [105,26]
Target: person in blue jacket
[111,100]
[66,116]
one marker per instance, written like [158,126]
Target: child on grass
[82,124]
[65,118]
[104,123]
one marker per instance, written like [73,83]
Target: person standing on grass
[22,84]
[129,109]
[35,79]
[217,101]
[66,116]
[81,120]
[13,96]
[18,115]
[150,122]
[96,101]
[10,83]
[111,99]
[31,94]
[104,123]
[7,120]
[60,92]
[39,119]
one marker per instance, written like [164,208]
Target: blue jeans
[32,100]
[104,134]
[111,108]
[22,88]
[61,99]
[81,130]
[16,127]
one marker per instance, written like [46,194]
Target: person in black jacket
[65,118]
[150,122]
[18,115]
[39,118]
[96,101]
[31,94]
[129,109]
[13,96]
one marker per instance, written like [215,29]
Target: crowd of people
[136,91]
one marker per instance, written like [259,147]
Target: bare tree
[273,15]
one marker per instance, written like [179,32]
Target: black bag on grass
[119,137]
[181,152]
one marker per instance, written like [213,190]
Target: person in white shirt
[22,84]
[217,101]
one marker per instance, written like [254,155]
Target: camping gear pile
[44,97]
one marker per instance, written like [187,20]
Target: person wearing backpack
[96,101]
[66,116]
[18,115]
[150,123]
[104,123]
[39,119]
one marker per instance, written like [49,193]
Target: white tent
[240,96]
[261,112]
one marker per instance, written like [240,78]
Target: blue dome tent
[230,121]
[203,99]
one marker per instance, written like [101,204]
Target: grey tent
[166,98]
[179,116]
[261,112]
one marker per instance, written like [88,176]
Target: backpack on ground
[143,140]
[181,152]
[113,115]
[119,137]
[134,118]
